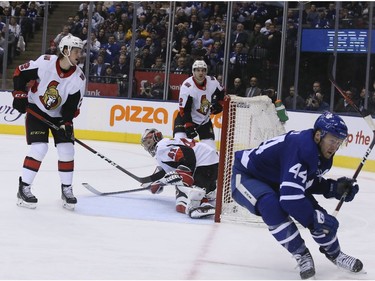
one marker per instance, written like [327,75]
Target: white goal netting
[246,123]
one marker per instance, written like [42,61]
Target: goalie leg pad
[188,198]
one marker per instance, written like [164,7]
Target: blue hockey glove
[324,224]
[342,185]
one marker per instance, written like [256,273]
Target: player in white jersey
[189,165]
[56,93]
[200,96]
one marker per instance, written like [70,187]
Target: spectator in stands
[102,37]
[240,36]
[183,54]
[199,52]
[65,31]
[237,63]
[343,106]
[33,14]
[126,23]
[109,77]
[273,44]
[147,58]
[98,71]
[94,46]
[194,26]
[181,67]
[253,89]
[83,34]
[159,65]
[312,17]
[52,49]
[289,100]
[121,67]
[26,25]
[266,28]
[119,34]
[238,88]
[110,24]
[317,103]
[112,49]
[157,88]
[371,103]
[76,26]
[271,93]
[183,43]
[207,41]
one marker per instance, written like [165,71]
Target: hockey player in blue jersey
[277,181]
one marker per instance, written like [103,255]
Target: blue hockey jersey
[291,165]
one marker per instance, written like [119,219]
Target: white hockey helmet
[70,41]
[199,64]
[149,140]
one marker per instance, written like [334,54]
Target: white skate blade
[68,206]
[21,203]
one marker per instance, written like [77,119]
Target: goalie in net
[190,166]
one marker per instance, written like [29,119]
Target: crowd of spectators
[199,32]
[24,19]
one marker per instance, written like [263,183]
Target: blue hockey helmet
[331,123]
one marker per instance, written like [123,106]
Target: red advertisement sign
[175,81]
[102,89]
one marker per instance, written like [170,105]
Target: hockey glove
[324,224]
[20,101]
[190,130]
[181,176]
[66,129]
[342,185]
[169,178]
[216,108]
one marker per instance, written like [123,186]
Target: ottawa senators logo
[51,98]
[205,105]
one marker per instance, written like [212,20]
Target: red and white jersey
[53,86]
[201,96]
[169,151]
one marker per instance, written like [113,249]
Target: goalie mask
[150,139]
[331,123]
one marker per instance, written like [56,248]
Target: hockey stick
[97,192]
[147,179]
[367,117]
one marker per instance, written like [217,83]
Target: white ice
[140,236]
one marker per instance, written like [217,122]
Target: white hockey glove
[181,176]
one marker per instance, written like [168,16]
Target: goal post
[246,122]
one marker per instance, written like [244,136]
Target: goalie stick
[147,179]
[366,116]
[97,192]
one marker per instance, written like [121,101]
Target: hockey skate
[347,262]
[67,197]
[306,265]
[25,197]
[205,209]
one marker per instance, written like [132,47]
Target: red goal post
[246,122]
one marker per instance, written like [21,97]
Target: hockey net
[246,122]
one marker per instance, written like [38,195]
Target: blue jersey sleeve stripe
[291,197]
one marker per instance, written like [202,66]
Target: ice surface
[140,236]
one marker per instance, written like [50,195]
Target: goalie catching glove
[341,186]
[181,176]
